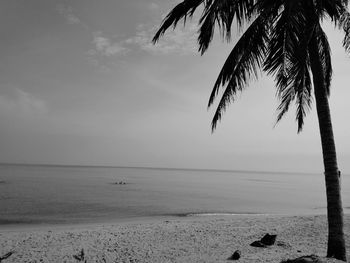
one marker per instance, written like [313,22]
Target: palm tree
[284,38]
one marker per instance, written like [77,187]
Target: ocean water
[66,194]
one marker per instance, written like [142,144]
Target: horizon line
[159,168]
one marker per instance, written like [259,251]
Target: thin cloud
[153,6]
[67,13]
[103,50]
[106,46]
[181,41]
[22,103]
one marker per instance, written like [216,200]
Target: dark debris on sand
[305,259]
[7,255]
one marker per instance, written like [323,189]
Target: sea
[48,194]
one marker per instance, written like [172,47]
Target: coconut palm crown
[283,38]
[276,41]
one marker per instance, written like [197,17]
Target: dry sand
[193,239]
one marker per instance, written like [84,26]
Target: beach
[118,144]
[53,213]
[206,238]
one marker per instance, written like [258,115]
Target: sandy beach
[187,239]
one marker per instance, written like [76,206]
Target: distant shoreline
[158,168]
[47,223]
[51,222]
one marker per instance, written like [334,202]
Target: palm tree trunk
[336,241]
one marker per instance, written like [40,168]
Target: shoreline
[203,238]
[16,227]
[50,224]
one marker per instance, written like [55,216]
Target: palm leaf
[302,86]
[282,46]
[243,61]
[181,11]
[325,56]
[288,60]
[278,39]
[344,23]
[331,8]
[222,13]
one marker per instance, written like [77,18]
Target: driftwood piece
[80,256]
[7,255]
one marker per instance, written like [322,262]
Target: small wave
[222,214]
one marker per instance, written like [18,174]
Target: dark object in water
[257,244]
[304,259]
[120,183]
[80,256]
[268,239]
[235,256]
[2,182]
[7,255]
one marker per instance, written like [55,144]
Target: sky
[82,84]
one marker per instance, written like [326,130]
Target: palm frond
[300,70]
[181,11]
[222,13]
[284,39]
[330,8]
[207,27]
[344,23]
[302,85]
[244,60]
[282,45]
[325,56]
[288,60]
[274,6]
[277,40]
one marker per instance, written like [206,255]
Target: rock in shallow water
[235,256]
[268,239]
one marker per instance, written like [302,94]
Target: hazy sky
[80,83]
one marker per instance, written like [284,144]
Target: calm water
[59,194]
